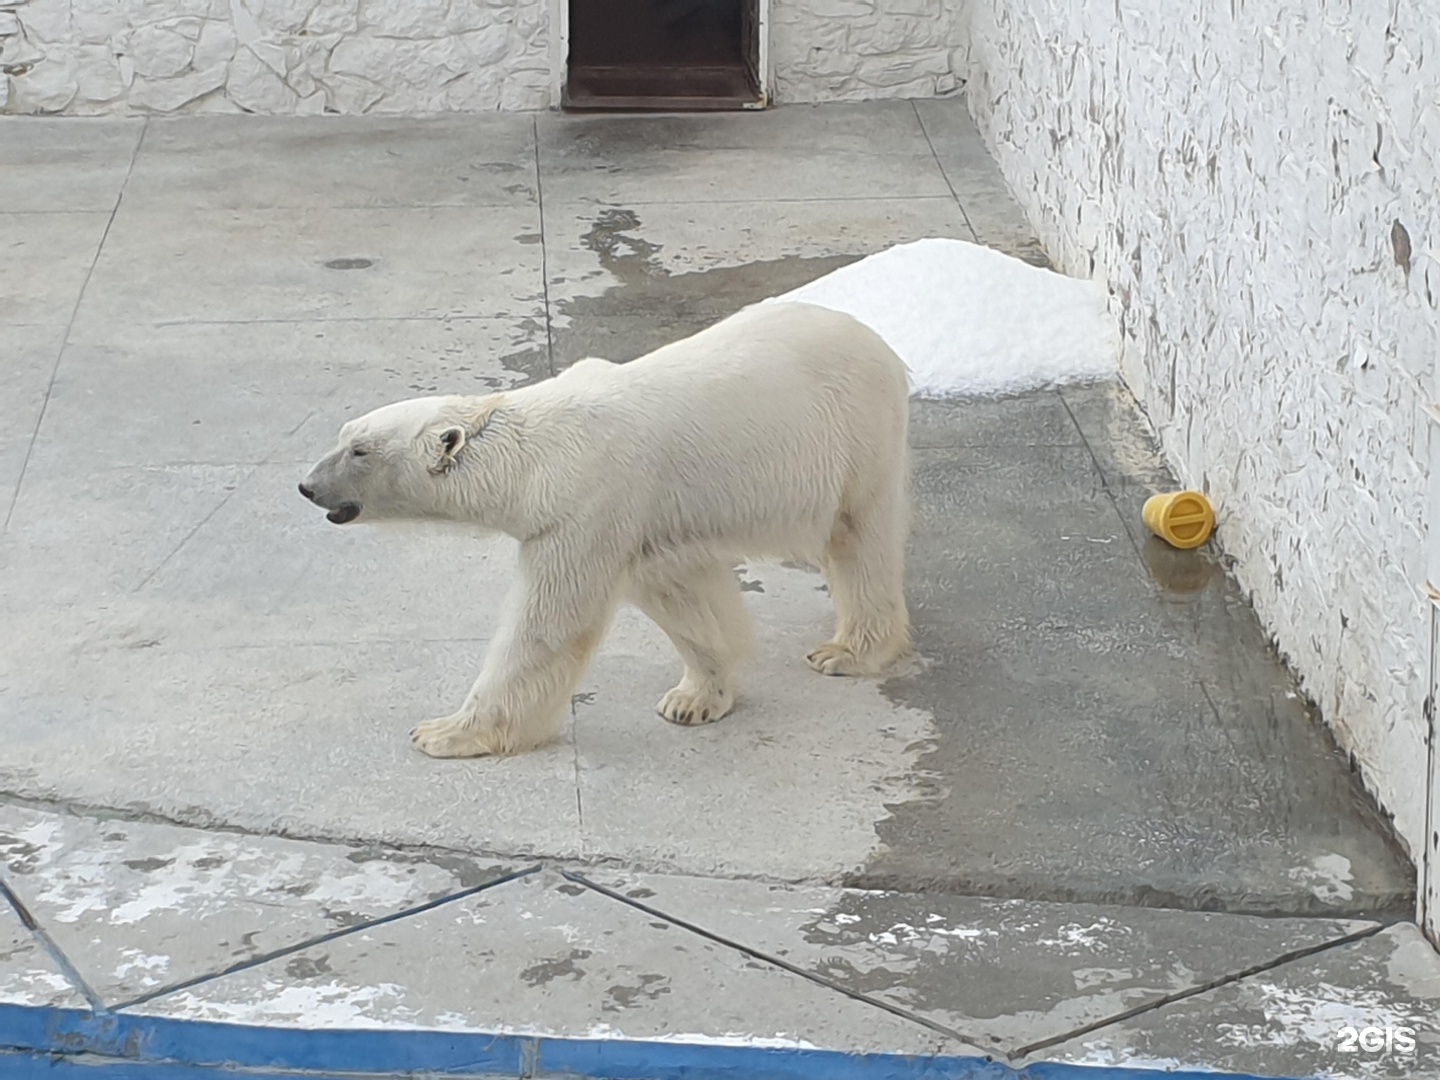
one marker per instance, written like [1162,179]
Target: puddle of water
[1180,574]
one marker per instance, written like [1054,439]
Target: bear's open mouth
[344,513]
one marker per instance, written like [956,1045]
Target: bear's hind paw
[877,656]
[833,658]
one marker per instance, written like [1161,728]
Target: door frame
[762,51]
[560,51]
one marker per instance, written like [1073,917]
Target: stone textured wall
[856,50]
[89,57]
[1259,183]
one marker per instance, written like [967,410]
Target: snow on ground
[971,321]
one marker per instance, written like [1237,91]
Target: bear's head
[398,462]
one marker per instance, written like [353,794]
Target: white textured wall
[89,57]
[856,50]
[273,56]
[1259,182]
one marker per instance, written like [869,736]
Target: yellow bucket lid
[1184,519]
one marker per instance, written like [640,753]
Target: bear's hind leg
[864,566]
[699,607]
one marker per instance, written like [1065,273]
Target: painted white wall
[1429,860]
[1259,183]
[96,57]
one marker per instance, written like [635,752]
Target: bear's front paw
[450,737]
[689,707]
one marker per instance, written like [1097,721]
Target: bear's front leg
[554,619]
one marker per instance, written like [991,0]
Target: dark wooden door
[663,54]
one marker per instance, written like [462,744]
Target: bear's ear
[452,441]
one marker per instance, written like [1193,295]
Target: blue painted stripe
[1058,1071]
[25,1066]
[57,1043]
[632,1060]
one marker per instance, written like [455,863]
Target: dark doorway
[663,54]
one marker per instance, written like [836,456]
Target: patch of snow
[374,883]
[1328,878]
[781,1041]
[1122,1057]
[1090,978]
[150,970]
[315,1007]
[903,934]
[1075,937]
[970,321]
[1314,1015]
[31,987]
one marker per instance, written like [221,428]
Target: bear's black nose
[309,493]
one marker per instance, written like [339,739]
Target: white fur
[779,432]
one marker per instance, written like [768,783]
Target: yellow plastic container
[1183,519]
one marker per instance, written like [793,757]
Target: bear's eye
[357,451]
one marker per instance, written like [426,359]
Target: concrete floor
[189,640]
[190,308]
[147,925]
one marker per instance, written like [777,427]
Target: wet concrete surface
[1001,973]
[1114,726]
[1365,1010]
[1107,706]
[142,908]
[652,306]
[556,957]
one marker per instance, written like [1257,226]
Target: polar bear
[779,432]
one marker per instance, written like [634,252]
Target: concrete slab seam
[52,1042]
[266,459]
[768,958]
[544,254]
[1104,480]
[296,320]
[269,457]
[69,326]
[30,923]
[1201,988]
[323,939]
[975,236]
[205,520]
[77,808]
[779,201]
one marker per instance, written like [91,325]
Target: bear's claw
[449,737]
[690,708]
